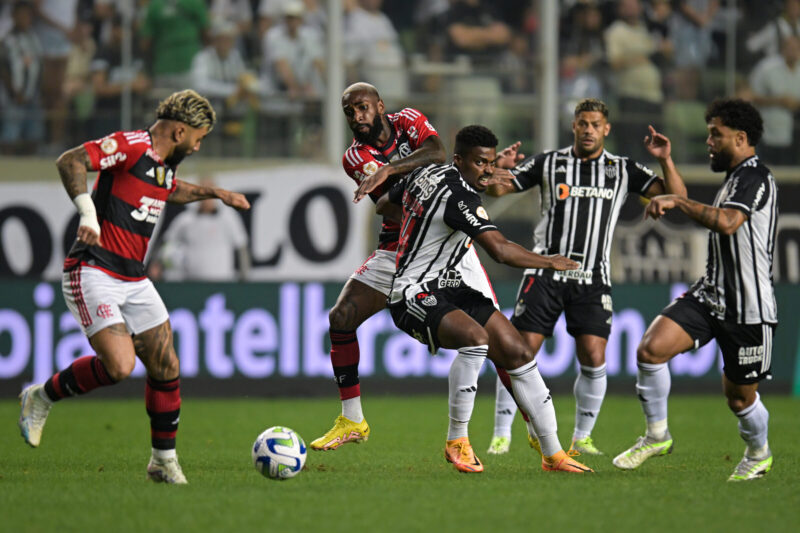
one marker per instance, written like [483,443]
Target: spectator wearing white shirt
[204,242]
[294,55]
[767,41]
[775,86]
[372,50]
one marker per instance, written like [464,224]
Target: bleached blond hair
[188,107]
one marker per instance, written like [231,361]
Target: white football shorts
[98,301]
[378,270]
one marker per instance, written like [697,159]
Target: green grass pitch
[88,474]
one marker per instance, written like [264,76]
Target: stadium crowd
[64,64]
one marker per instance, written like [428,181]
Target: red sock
[163,402]
[83,375]
[505,379]
[344,357]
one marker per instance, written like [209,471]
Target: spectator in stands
[582,52]
[172,33]
[78,78]
[472,28]
[691,37]
[775,90]
[22,124]
[204,243]
[56,26]
[6,20]
[109,78]
[372,50]
[271,12]
[294,56]
[767,41]
[220,74]
[629,46]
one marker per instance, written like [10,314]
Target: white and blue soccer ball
[279,453]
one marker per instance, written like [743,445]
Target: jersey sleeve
[358,163]
[750,193]
[111,152]
[464,212]
[640,177]
[528,173]
[416,126]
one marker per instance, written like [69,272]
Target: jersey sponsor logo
[109,145]
[468,216]
[451,279]
[577,274]
[149,210]
[425,187]
[578,191]
[605,299]
[112,160]
[749,355]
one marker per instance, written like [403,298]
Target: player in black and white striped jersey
[582,189]
[431,301]
[734,301]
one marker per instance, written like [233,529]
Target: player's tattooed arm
[724,220]
[431,152]
[185,193]
[72,167]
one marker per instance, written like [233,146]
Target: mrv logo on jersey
[565,191]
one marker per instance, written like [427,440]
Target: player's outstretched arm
[660,147]
[185,193]
[72,167]
[431,152]
[724,220]
[501,183]
[510,253]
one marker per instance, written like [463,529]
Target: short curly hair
[738,114]
[469,137]
[591,104]
[188,107]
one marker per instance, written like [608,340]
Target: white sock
[351,409]
[164,454]
[462,386]
[43,395]
[753,425]
[504,410]
[534,397]
[590,390]
[652,385]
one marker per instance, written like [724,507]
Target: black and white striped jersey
[581,201]
[737,285]
[442,213]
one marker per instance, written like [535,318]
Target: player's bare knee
[119,368]
[645,353]
[342,317]
[517,355]
[474,336]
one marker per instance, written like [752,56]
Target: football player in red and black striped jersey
[104,281]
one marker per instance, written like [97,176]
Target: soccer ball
[279,453]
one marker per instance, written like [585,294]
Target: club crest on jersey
[370,168]
[611,172]
[426,299]
[109,145]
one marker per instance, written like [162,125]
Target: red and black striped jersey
[129,194]
[410,128]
